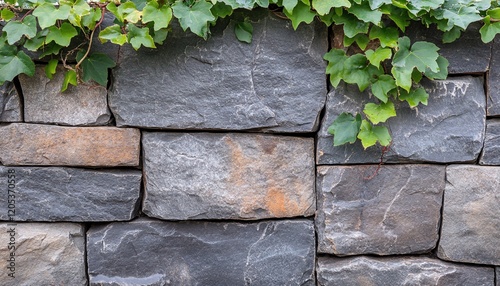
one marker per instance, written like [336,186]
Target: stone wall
[208,163]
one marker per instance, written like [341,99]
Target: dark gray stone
[398,211]
[497,276]
[467,55]
[400,271]
[275,84]
[491,150]
[151,252]
[70,194]
[10,104]
[227,176]
[493,77]
[80,105]
[449,129]
[471,224]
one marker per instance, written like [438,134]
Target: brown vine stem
[91,38]
[385,149]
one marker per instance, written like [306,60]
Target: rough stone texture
[497,276]
[466,55]
[396,212]
[45,254]
[400,271]
[151,252]
[471,216]
[493,80]
[34,144]
[491,149]
[84,104]
[69,194]
[277,83]
[449,129]
[10,104]
[227,176]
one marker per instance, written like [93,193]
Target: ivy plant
[376,54]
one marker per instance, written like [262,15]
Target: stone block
[399,271]
[69,194]
[10,104]
[449,129]
[276,83]
[85,104]
[491,149]
[395,212]
[227,176]
[471,216]
[35,144]
[493,79]
[152,252]
[42,254]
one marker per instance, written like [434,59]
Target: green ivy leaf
[125,11]
[48,14]
[301,14]
[489,30]
[335,67]
[382,87]
[243,31]
[375,4]
[358,71]
[95,67]
[139,36]
[403,77]
[195,17]
[289,5]
[245,4]
[377,113]
[378,56]
[323,7]
[443,69]
[421,55]
[161,16]
[69,78]
[50,68]
[352,26]
[14,63]
[388,36]
[36,42]
[6,14]
[61,36]
[451,35]
[91,20]
[50,49]
[364,13]
[16,29]
[221,10]
[361,40]
[370,135]
[113,34]
[414,97]
[159,36]
[345,128]
[79,9]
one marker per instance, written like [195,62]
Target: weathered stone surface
[44,254]
[466,55]
[276,83]
[449,129]
[491,149]
[400,271]
[10,104]
[34,144]
[70,194]
[395,212]
[497,275]
[227,176]
[471,216]
[151,252]
[84,104]
[493,77]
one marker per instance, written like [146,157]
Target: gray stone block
[471,226]
[70,194]
[497,276]
[449,129]
[43,254]
[395,212]
[399,271]
[493,77]
[491,149]
[277,83]
[227,176]
[78,105]
[10,104]
[151,252]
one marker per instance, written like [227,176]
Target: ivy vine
[375,54]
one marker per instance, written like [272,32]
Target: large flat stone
[497,275]
[10,104]
[84,104]
[34,144]
[70,194]
[151,252]
[395,212]
[493,77]
[276,83]
[400,271]
[227,176]
[43,254]
[491,149]
[471,216]
[449,129]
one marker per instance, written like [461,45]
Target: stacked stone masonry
[211,164]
